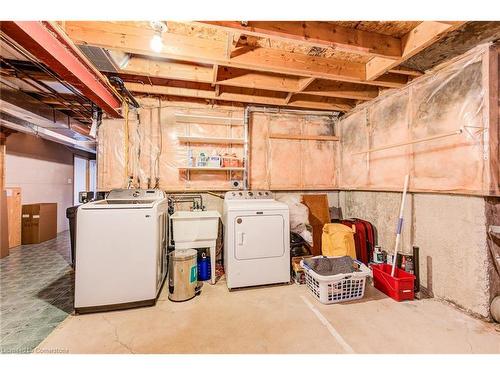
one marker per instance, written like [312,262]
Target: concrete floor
[279,319]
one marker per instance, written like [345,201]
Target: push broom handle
[400,225]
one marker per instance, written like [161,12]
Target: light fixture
[156,43]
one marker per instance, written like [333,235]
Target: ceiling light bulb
[156,43]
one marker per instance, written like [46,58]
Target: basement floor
[36,293]
[279,319]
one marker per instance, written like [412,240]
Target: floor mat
[36,287]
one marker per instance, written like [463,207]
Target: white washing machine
[121,258]
[256,239]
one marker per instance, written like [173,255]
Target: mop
[400,225]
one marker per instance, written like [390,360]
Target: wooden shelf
[326,138]
[213,168]
[219,140]
[212,120]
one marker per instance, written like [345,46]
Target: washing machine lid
[127,198]
[118,204]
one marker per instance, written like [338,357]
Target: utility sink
[190,226]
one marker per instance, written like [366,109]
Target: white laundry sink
[190,226]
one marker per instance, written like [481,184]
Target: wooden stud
[214,73]
[229,45]
[304,83]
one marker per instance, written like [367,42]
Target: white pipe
[246,158]
[400,225]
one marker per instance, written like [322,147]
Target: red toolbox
[400,287]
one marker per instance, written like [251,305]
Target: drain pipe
[246,120]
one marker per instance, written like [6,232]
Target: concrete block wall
[451,232]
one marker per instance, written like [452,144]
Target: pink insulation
[291,164]
[451,99]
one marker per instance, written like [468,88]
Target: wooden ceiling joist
[169,69]
[251,79]
[341,90]
[236,94]
[413,42]
[320,65]
[186,48]
[318,34]
[227,76]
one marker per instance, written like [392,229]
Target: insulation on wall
[442,125]
[439,127]
[156,154]
[292,164]
[155,148]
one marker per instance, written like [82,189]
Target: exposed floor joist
[231,58]
[43,41]
[185,48]
[413,42]
[237,94]
[318,34]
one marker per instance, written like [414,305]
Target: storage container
[337,288]
[400,287]
[230,160]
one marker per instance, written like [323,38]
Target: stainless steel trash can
[183,275]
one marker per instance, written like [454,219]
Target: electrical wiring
[160,150]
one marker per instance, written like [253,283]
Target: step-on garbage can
[183,275]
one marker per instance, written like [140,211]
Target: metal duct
[105,60]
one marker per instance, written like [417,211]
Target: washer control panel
[248,194]
[137,194]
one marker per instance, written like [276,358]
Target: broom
[400,225]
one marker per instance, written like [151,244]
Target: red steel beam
[59,56]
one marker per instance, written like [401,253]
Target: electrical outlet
[70,181]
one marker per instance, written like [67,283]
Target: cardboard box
[14,215]
[39,222]
[4,231]
[297,271]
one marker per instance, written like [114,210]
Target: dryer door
[259,236]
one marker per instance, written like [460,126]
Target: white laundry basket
[337,288]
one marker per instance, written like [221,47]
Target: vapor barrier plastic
[440,123]
[157,153]
[292,164]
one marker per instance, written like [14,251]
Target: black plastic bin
[71,215]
